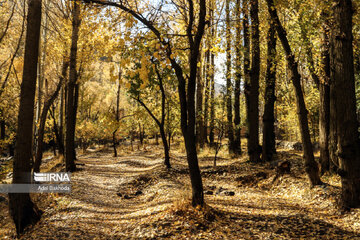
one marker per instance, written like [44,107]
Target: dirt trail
[135,197]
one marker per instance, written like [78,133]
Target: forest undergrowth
[133,196]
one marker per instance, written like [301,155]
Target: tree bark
[47,104]
[229,127]
[117,115]
[252,81]
[60,136]
[70,114]
[237,140]
[311,166]
[199,107]
[23,211]
[212,79]
[343,101]
[206,75]
[268,146]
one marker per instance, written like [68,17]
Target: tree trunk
[252,78]
[237,140]
[47,104]
[207,90]
[268,146]
[343,100]
[161,122]
[199,107]
[166,146]
[229,127]
[60,136]
[247,85]
[212,100]
[311,166]
[76,104]
[23,211]
[212,76]
[117,115]
[70,114]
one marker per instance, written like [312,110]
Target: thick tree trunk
[70,114]
[246,68]
[229,127]
[22,209]
[344,103]
[268,146]
[237,140]
[311,166]
[47,104]
[252,81]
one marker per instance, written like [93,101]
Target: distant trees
[22,209]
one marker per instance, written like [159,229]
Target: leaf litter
[134,197]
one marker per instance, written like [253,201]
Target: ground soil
[133,196]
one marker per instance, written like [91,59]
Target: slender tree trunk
[207,93]
[160,123]
[76,104]
[60,137]
[23,211]
[311,166]
[268,146]
[211,76]
[199,107]
[56,130]
[117,115]
[343,100]
[237,140]
[70,114]
[47,104]
[212,100]
[229,127]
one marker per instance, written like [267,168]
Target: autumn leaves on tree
[111,71]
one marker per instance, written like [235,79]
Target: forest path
[134,197]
